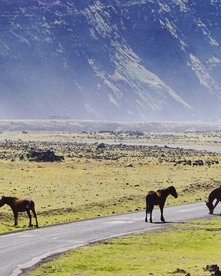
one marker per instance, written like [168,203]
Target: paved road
[24,249]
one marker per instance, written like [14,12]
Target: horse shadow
[11,225]
[167,222]
[218,215]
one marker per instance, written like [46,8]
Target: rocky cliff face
[110,59]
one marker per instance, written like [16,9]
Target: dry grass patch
[94,181]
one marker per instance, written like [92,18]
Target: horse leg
[15,218]
[35,215]
[147,210]
[161,211]
[217,201]
[151,211]
[146,220]
[29,215]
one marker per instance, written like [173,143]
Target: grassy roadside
[180,249]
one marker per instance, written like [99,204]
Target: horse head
[210,206]
[173,191]
[2,201]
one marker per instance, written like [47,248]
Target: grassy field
[180,249]
[98,179]
[94,181]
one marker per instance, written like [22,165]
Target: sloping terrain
[119,60]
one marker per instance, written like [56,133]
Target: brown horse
[214,195]
[20,205]
[158,198]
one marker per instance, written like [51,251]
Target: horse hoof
[31,225]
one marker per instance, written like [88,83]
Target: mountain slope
[118,60]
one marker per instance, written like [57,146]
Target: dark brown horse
[214,195]
[20,205]
[158,198]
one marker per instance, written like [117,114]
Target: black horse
[20,205]
[158,198]
[214,195]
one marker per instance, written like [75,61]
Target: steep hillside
[110,59]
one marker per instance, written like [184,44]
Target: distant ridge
[111,60]
[96,126]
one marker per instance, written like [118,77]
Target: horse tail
[148,204]
[30,205]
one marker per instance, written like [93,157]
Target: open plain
[104,173]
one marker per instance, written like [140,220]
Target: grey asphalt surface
[24,249]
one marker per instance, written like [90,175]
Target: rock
[180,270]
[101,146]
[128,165]
[198,163]
[38,155]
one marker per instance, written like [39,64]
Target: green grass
[91,183]
[78,189]
[188,247]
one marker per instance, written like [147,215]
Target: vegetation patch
[97,178]
[106,173]
[182,249]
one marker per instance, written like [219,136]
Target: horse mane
[11,197]
[164,189]
[171,187]
[161,191]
